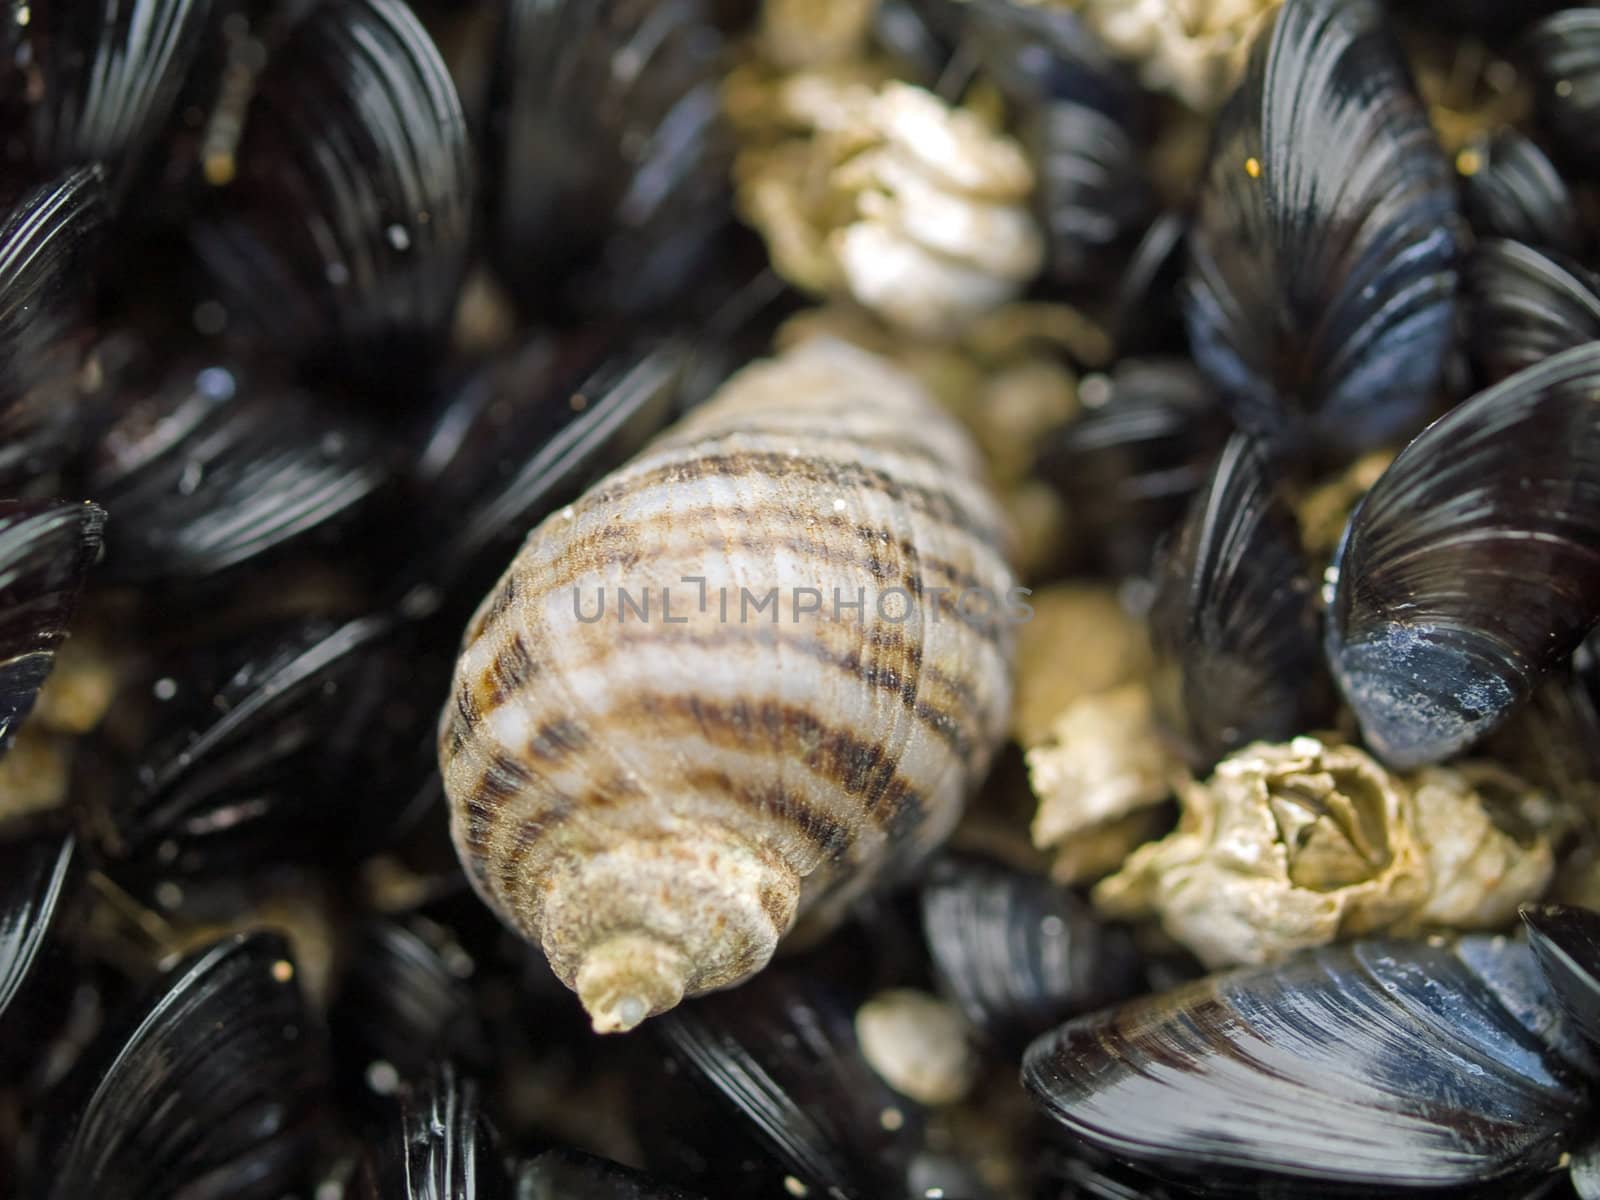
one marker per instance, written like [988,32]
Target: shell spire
[739,680]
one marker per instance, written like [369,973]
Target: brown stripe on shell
[836,755]
[945,723]
[775,467]
[813,548]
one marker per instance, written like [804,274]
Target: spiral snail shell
[744,676]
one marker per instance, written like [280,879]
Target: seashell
[918,1045]
[1525,305]
[1509,189]
[256,740]
[46,240]
[38,882]
[207,1088]
[340,234]
[1018,954]
[1473,565]
[1566,943]
[217,467]
[1322,267]
[570,1175]
[1562,53]
[1129,465]
[830,749]
[1383,1065]
[1233,622]
[46,549]
[522,436]
[608,157]
[99,81]
[781,1058]
[440,1145]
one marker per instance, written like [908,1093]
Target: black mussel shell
[1472,567]
[1525,305]
[1322,270]
[46,549]
[1563,53]
[1566,943]
[38,878]
[524,436]
[46,242]
[1234,622]
[97,80]
[1068,1170]
[309,739]
[439,1146]
[1490,17]
[208,1088]
[1079,117]
[1037,51]
[1093,193]
[1128,466]
[569,1175]
[218,467]
[343,237]
[1145,317]
[1019,954]
[1416,1067]
[405,1002]
[914,36]
[1514,191]
[608,158]
[780,1056]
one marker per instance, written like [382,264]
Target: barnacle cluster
[1194,50]
[1295,845]
[888,196]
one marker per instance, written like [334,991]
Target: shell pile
[765,599]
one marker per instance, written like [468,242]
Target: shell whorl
[653,787]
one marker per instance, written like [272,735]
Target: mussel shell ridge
[1370,1065]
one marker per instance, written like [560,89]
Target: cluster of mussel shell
[310,311]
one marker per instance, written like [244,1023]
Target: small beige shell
[653,766]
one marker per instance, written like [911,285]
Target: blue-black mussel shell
[1377,1067]
[1524,304]
[1129,464]
[47,548]
[337,223]
[206,1087]
[1471,569]
[47,239]
[1323,256]
[1234,622]
[1514,191]
[1018,954]
[438,1145]
[606,153]
[303,739]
